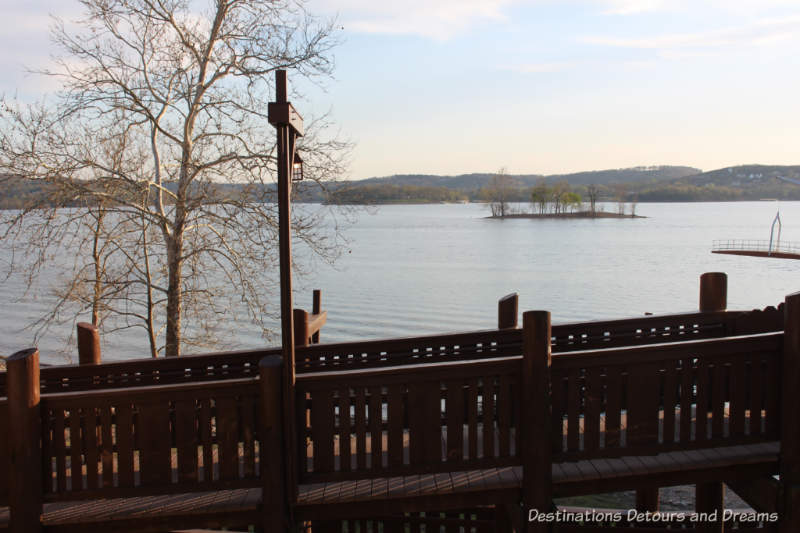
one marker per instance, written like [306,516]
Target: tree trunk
[98,273]
[174,295]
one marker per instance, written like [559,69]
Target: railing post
[88,344]
[536,414]
[316,309]
[709,499]
[789,463]
[713,292]
[507,311]
[275,512]
[301,327]
[647,499]
[24,424]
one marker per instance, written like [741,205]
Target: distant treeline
[388,194]
[639,184]
[680,192]
[629,192]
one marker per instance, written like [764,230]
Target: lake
[420,269]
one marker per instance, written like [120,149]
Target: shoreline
[580,214]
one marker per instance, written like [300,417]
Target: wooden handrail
[604,334]
[422,371]
[485,413]
[664,351]
[307,326]
[103,396]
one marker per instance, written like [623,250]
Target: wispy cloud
[441,19]
[538,68]
[631,7]
[762,32]
[634,7]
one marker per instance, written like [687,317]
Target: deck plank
[445,484]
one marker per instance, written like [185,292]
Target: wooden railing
[412,419]
[434,416]
[464,415]
[143,440]
[147,372]
[392,352]
[565,337]
[5,452]
[641,401]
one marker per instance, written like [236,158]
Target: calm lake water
[421,269]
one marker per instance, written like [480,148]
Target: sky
[532,86]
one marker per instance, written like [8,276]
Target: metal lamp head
[297,168]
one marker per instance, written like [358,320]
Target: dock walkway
[462,430]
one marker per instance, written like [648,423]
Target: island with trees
[556,201]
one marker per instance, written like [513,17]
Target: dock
[757,248]
[466,431]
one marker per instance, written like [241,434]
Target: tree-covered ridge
[643,184]
[387,194]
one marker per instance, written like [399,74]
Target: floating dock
[757,248]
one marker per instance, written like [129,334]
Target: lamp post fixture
[289,126]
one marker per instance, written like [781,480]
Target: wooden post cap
[270,361]
[507,311]
[713,292]
[88,344]
[22,354]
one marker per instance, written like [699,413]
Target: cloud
[764,32]
[538,68]
[631,7]
[441,19]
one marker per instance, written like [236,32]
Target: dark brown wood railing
[146,372]
[150,440]
[565,337]
[414,350]
[464,415]
[437,415]
[643,401]
[411,419]
[5,452]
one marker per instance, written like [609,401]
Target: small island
[572,214]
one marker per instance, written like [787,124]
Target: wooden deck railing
[465,415]
[173,438]
[395,421]
[5,452]
[410,419]
[649,400]
[502,342]
[440,404]
[392,352]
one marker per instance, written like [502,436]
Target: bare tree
[160,139]
[499,192]
[620,192]
[539,195]
[592,191]
[558,195]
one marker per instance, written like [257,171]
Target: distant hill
[471,182]
[744,176]
[643,184]
[745,182]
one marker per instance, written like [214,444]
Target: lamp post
[289,126]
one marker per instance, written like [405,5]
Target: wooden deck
[444,490]
[222,508]
[469,429]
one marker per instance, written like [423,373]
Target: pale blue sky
[453,86]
